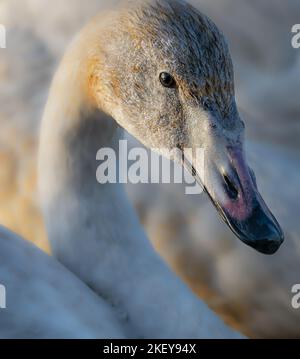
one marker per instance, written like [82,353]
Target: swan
[162,71]
[167,215]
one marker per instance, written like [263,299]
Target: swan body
[45,300]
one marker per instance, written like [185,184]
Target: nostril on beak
[230,188]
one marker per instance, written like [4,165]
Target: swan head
[167,77]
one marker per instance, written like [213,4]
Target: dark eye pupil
[166,79]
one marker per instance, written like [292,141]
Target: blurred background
[251,291]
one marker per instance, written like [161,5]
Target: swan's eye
[167,80]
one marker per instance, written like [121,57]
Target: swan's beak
[231,186]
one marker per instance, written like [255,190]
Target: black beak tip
[268,245]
